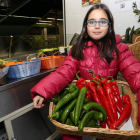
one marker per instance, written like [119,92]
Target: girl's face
[97,32]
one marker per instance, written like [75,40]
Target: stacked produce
[9,61]
[92,104]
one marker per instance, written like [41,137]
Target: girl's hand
[38,101]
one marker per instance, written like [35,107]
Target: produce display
[96,104]
[3,61]
[8,61]
[22,68]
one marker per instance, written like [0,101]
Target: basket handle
[27,58]
[57,52]
[42,54]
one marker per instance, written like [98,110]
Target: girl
[97,48]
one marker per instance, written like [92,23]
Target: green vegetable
[67,110]
[127,34]
[72,88]
[55,100]
[86,118]
[137,31]
[63,101]
[98,115]
[131,34]
[79,104]
[124,41]
[86,100]
[75,92]
[64,92]
[93,105]
[91,123]
[72,115]
[67,98]
[56,115]
[69,122]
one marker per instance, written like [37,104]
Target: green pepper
[91,123]
[93,105]
[75,92]
[63,101]
[55,100]
[71,88]
[64,92]
[72,115]
[69,122]
[56,115]
[86,100]
[98,115]
[86,118]
[79,104]
[67,98]
[67,110]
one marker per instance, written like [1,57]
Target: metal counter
[15,94]
[17,113]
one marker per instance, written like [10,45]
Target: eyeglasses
[102,23]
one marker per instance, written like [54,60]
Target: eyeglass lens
[101,22]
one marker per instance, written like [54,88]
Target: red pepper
[96,78]
[88,95]
[103,80]
[108,122]
[105,102]
[81,82]
[126,113]
[126,100]
[111,100]
[94,93]
[103,124]
[119,103]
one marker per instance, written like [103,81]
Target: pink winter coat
[127,64]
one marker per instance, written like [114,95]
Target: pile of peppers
[75,109]
[106,93]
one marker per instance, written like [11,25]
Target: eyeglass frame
[98,23]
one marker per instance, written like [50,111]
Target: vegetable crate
[102,133]
[50,62]
[58,59]
[47,62]
[24,69]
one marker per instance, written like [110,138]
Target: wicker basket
[135,48]
[58,59]
[24,69]
[47,62]
[135,38]
[102,133]
[3,72]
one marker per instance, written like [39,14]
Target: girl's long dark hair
[108,43]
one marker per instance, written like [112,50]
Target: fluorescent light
[44,21]
[54,19]
[23,16]
[51,18]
